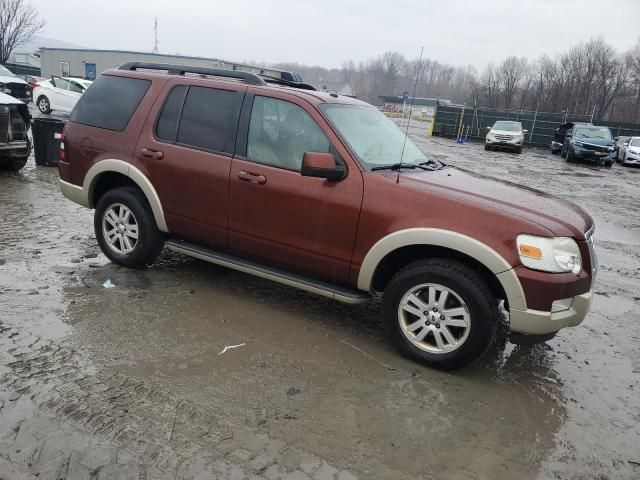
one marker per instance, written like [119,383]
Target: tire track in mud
[113,424]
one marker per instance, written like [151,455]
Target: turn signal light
[530,251]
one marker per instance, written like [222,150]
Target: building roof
[133,52]
[428,102]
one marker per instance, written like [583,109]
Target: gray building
[89,63]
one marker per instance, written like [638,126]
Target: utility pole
[155,36]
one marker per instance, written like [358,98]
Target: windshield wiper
[398,166]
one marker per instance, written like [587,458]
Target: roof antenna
[155,36]
[413,98]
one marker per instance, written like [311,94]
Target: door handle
[252,177]
[158,155]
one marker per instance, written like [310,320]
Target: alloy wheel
[120,228]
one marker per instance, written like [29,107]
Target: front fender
[469,246]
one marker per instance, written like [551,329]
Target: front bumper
[14,149]
[504,143]
[632,159]
[591,156]
[536,322]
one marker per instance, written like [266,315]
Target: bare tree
[19,22]
[510,74]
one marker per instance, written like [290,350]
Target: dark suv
[310,189]
[589,143]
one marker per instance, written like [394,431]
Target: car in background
[622,143]
[13,85]
[589,143]
[506,134]
[558,137]
[15,145]
[630,155]
[59,93]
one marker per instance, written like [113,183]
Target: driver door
[304,224]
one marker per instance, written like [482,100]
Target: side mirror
[525,131]
[488,128]
[321,165]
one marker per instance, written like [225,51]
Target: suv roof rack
[250,78]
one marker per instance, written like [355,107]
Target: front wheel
[126,229]
[519,150]
[440,312]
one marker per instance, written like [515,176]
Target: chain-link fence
[472,123]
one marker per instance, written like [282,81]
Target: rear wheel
[126,229]
[440,312]
[43,104]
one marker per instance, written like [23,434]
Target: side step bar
[325,289]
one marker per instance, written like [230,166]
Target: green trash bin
[45,144]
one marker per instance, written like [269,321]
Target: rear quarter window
[110,102]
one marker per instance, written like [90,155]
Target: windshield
[508,126]
[373,138]
[594,133]
[6,72]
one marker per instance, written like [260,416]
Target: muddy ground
[129,382]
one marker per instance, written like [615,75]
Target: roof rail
[250,78]
[287,83]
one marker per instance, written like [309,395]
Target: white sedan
[631,153]
[59,93]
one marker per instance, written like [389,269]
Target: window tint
[74,87]
[209,119]
[167,126]
[110,102]
[280,132]
[60,83]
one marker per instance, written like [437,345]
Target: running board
[325,289]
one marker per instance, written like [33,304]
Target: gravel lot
[130,383]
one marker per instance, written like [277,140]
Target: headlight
[556,254]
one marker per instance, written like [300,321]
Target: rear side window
[167,126]
[210,119]
[110,102]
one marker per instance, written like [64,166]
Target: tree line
[589,78]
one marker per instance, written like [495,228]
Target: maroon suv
[320,192]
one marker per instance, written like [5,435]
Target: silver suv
[505,134]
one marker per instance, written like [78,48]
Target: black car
[558,137]
[589,143]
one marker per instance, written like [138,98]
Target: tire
[466,290]
[43,104]
[13,164]
[127,250]
[486,147]
[519,150]
[609,164]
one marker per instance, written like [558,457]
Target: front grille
[596,148]
[501,136]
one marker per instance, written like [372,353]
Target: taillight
[61,136]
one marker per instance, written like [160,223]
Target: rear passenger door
[187,143]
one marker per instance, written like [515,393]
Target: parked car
[13,85]
[307,189]
[630,154]
[505,134]
[559,135]
[14,141]
[59,93]
[621,143]
[589,143]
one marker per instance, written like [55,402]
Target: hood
[8,79]
[505,132]
[9,100]
[560,217]
[596,141]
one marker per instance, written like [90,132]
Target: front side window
[60,83]
[74,87]
[209,119]
[280,133]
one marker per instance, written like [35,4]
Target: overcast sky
[328,32]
